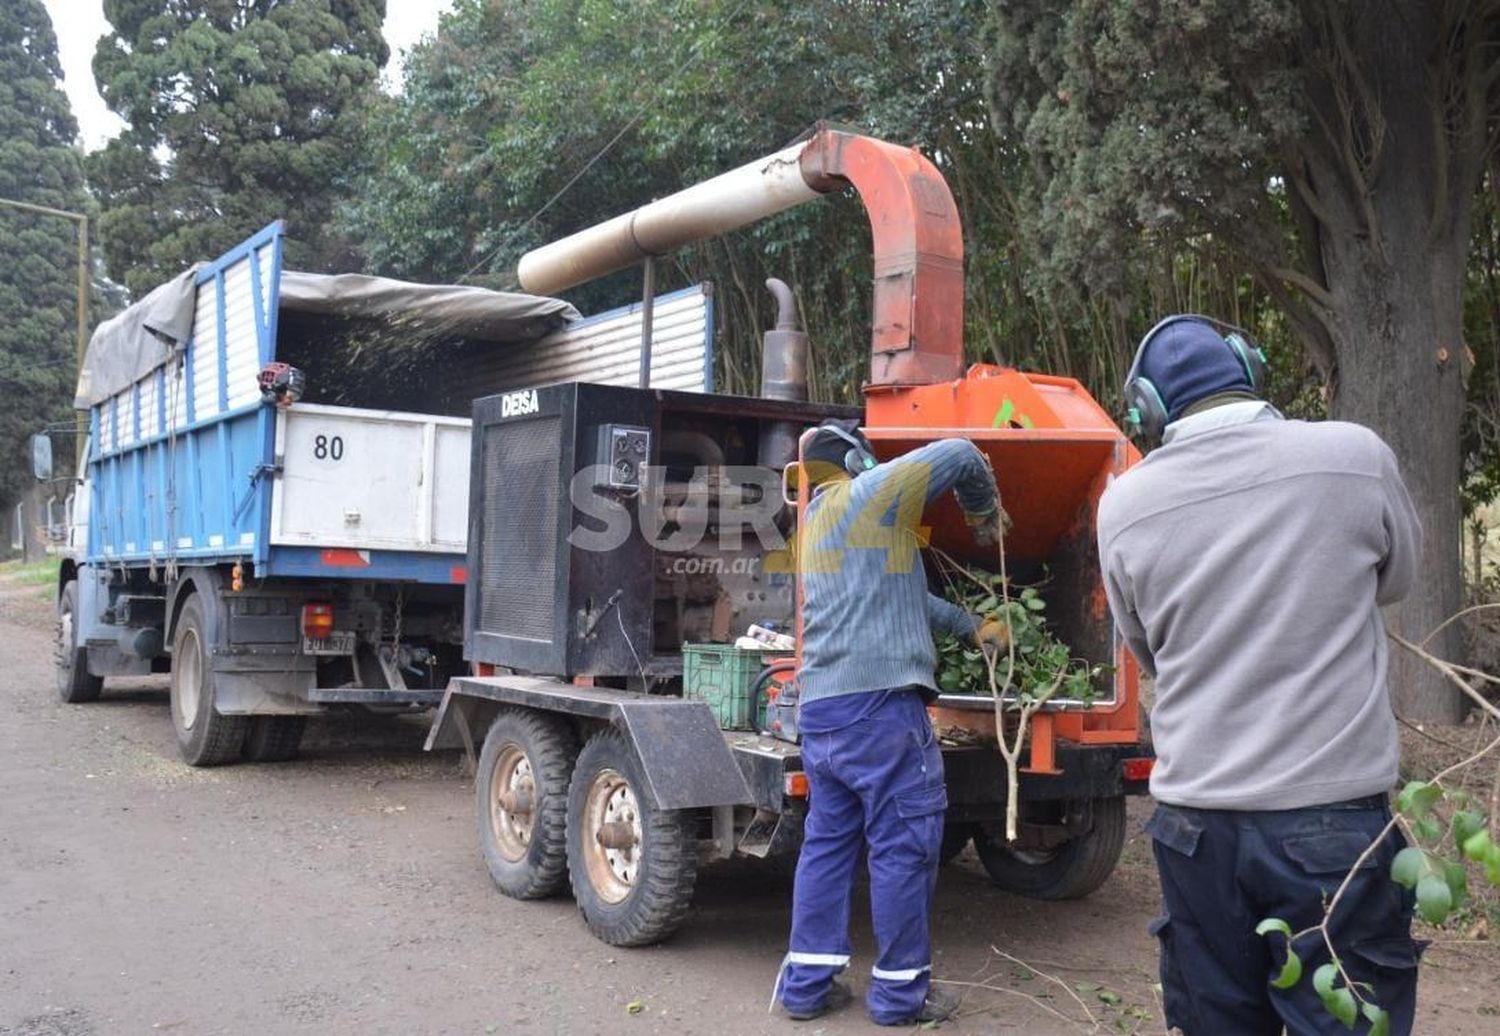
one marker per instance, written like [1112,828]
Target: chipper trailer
[616,531]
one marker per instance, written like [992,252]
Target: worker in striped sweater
[874,771]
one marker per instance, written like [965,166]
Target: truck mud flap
[687,763]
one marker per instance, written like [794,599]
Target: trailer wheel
[632,866]
[274,739]
[1070,871]
[521,802]
[204,736]
[75,684]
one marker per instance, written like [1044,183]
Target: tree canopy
[237,112]
[38,252]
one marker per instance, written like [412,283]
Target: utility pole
[83,284]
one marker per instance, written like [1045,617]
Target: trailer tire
[75,684]
[1071,871]
[205,737]
[531,753]
[638,893]
[274,739]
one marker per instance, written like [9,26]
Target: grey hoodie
[1245,562]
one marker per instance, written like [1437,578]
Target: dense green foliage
[238,112]
[38,253]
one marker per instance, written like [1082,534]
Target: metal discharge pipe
[731,200]
[916,337]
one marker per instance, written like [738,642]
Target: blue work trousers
[876,782]
[1224,871]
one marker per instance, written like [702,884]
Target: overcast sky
[80,23]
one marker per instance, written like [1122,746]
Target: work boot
[837,997]
[939,1006]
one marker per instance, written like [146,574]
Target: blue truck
[273,504]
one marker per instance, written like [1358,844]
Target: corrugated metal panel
[205,363]
[605,349]
[150,415]
[242,358]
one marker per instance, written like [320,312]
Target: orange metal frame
[1052,446]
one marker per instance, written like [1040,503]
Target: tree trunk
[1391,377]
[1393,244]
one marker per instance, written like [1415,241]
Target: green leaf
[1274,924]
[1291,971]
[1087,987]
[1492,865]
[1408,866]
[1434,898]
[1036,604]
[1417,798]
[1466,824]
[1109,997]
[635,1007]
[1430,828]
[1380,1022]
[1478,845]
[1323,980]
[1340,1003]
[1457,878]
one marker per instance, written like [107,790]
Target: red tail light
[317,621]
[1138,769]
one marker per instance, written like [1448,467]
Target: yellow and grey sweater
[867,615]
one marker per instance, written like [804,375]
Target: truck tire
[204,736]
[75,684]
[521,802]
[273,739]
[636,890]
[1070,871]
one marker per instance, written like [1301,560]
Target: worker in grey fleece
[1246,560]
[874,770]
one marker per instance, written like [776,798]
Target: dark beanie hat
[1189,360]
[829,448]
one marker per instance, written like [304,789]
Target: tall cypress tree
[238,112]
[39,165]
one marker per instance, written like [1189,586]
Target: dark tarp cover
[141,338]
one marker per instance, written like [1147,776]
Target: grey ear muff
[1146,411]
[857,458]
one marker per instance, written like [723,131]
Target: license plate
[339,642]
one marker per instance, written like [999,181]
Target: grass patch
[32,573]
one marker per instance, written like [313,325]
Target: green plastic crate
[724,676]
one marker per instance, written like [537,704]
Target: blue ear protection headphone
[1146,411]
[857,458]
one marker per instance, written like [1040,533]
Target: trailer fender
[687,763]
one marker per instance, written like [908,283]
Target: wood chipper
[622,540]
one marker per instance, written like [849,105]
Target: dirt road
[344,894]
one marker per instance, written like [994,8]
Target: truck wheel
[273,739]
[74,682]
[521,802]
[1071,870]
[632,866]
[204,736]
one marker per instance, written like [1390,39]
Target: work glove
[988,526]
[993,636]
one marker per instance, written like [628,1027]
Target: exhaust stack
[783,375]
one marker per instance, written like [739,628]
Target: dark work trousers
[875,778]
[1224,871]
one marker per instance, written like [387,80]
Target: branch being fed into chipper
[1037,665]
